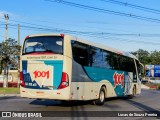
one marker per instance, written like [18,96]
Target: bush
[158,86]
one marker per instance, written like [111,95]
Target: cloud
[1,14]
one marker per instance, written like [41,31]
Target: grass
[9,91]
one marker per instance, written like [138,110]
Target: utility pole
[5,77]
[6,32]
[18,82]
[18,34]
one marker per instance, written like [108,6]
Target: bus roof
[105,47]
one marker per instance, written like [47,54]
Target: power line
[137,34]
[133,6]
[44,21]
[46,28]
[105,10]
[97,34]
[124,40]
[88,34]
[120,39]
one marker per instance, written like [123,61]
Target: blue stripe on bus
[58,66]
[24,66]
[27,77]
[99,74]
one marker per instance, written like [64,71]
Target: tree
[155,57]
[143,56]
[9,52]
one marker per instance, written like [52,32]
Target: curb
[145,87]
[6,95]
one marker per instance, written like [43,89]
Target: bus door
[130,77]
[128,83]
[140,72]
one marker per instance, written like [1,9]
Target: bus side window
[95,57]
[127,64]
[80,53]
[106,61]
[110,60]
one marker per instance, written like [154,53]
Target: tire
[101,99]
[66,102]
[133,92]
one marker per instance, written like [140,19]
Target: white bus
[63,67]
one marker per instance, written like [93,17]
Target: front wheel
[101,99]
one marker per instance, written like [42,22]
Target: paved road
[149,100]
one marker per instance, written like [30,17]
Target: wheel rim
[102,96]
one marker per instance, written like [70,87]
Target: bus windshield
[43,44]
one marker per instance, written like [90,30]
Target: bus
[63,67]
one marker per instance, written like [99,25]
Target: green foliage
[146,57]
[155,57]
[143,56]
[158,86]
[9,52]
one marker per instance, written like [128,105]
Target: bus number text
[41,74]
[118,79]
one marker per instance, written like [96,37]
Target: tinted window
[53,44]
[127,64]
[95,56]
[80,53]
[110,60]
[105,62]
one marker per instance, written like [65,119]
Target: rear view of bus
[42,71]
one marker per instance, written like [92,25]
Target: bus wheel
[101,99]
[133,92]
[66,102]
